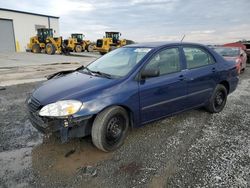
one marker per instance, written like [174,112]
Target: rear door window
[196,57]
[168,61]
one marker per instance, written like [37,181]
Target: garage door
[7,40]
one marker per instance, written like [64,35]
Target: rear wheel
[218,99]
[36,48]
[78,48]
[110,128]
[90,48]
[50,49]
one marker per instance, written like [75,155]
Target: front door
[163,95]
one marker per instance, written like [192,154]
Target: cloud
[64,7]
[147,20]
[203,32]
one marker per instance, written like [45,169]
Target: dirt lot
[192,149]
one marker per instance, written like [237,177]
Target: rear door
[201,74]
[163,95]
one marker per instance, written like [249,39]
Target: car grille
[99,43]
[33,104]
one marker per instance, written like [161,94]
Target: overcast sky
[206,21]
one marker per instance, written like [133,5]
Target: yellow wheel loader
[77,44]
[45,42]
[110,42]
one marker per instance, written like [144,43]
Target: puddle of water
[49,159]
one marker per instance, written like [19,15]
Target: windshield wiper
[91,72]
[79,68]
[102,74]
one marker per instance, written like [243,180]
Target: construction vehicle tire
[90,48]
[102,53]
[78,48]
[50,49]
[36,48]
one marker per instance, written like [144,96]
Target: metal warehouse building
[16,28]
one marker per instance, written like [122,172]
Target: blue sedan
[130,87]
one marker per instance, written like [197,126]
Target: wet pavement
[192,149]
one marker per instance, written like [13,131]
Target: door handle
[181,77]
[213,69]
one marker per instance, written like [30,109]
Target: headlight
[61,108]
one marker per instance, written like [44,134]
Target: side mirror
[148,73]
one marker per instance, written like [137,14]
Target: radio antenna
[183,37]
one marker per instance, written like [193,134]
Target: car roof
[160,44]
[226,47]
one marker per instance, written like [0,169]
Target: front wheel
[218,99]
[36,48]
[110,128]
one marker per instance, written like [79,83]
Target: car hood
[70,86]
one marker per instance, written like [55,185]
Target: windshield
[119,62]
[112,35]
[227,52]
[79,37]
[45,33]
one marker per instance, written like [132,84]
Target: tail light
[238,65]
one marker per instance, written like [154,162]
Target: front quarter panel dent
[95,106]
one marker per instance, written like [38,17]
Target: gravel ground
[192,149]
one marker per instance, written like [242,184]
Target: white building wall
[25,26]
[54,24]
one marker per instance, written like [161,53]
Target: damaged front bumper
[68,127]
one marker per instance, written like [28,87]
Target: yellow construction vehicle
[44,41]
[110,42]
[77,44]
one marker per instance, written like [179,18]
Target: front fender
[97,105]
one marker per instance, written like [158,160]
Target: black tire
[218,99]
[50,49]
[36,48]
[78,48]
[90,48]
[110,128]
[102,53]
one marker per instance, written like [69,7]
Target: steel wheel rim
[115,128]
[78,49]
[49,49]
[219,99]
